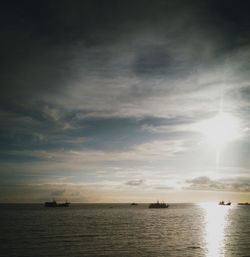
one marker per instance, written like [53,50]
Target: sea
[124,230]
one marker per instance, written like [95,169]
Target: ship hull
[55,204]
[158,206]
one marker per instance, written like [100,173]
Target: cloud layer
[92,88]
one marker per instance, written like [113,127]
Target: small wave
[193,247]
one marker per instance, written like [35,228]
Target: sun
[220,129]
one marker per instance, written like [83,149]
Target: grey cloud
[153,61]
[135,182]
[232,184]
[164,188]
[39,193]
[200,180]
[58,193]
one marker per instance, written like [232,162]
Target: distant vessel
[134,203]
[243,203]
[223,203]
[158,205]
[55,204]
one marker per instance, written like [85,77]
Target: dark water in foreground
[125,231]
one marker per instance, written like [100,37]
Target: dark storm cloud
[47,45]
[154,61]
[41,39]
[233,17]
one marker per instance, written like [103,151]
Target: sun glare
[220,129]
[216,221]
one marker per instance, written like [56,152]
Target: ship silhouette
[55,204]
[158,205]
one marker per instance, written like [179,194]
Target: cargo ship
[158,205]
[55,204]
[244,203]
[223,203]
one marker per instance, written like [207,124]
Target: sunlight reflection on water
[216,221]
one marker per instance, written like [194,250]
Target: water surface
[123,230]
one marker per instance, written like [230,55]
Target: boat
[158,205]
[223,203]
[55,204]
[134,203]
[244,203]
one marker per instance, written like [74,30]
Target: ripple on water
[97,230]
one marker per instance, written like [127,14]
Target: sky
[125,101]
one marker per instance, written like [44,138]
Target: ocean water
[123,230]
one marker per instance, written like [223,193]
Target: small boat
[244,203]
[223,203]
[55,204]
[134,203]
[158,205]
